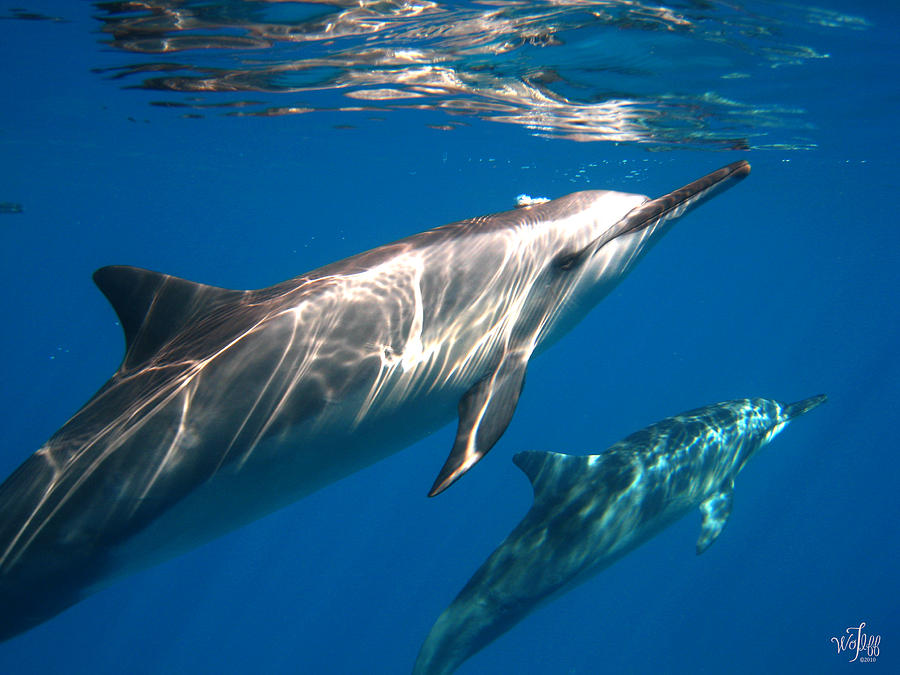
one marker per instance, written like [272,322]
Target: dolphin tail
[28,594]
[21,497]
[792,410]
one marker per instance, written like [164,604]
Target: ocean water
[243,143]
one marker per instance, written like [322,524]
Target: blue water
[785,287]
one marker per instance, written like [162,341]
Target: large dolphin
[589,511]
[231,404]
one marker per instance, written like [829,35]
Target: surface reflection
[586,71]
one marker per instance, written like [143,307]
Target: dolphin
[231,404]
[589,511]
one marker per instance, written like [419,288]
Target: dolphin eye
[568,260]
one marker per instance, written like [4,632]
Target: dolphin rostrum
[589,511]
[231,404]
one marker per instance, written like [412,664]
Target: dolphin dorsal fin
[154,307]
[531,462]
[550,471]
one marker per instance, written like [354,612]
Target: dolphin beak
[675,204]
[793,410]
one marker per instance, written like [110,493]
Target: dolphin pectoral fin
[715,510]
[484,413]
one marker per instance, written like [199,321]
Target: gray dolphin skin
[229,404]
[589,511]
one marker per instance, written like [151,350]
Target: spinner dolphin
[589,511]
[231,404]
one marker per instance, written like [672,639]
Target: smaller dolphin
[589,511]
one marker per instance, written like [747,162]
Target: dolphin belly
[232,499]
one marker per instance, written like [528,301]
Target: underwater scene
[259,416]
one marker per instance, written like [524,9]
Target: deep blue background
[785,287]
